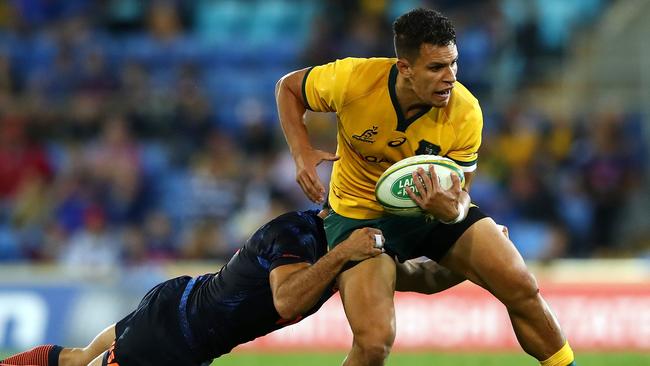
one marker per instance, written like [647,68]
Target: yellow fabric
[563,357]
[369,137]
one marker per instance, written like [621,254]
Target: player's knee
[376,345]
[523,290]
[374,351]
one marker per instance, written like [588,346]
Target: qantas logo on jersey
[367,135]
[374,159]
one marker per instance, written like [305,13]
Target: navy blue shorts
[152,335]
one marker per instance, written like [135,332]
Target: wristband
[461,216]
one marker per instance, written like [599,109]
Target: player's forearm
[303,289]
[291,111]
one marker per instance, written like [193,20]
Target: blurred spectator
[114,163]
[8,83]
[95,77]
[193,117]
[518,140]
[135,251]
[205,240]
[93,248]
[256,133]
[535,207]
[214,188]
[366,38]
[607,180]
[163,20]
[114,153]
[159,240]
[21,160]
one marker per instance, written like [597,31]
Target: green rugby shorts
[406,237]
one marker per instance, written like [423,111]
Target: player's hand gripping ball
[390,189]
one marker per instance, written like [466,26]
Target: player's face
[433,74]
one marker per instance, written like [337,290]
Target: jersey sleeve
[324,87]
[465,153]
[292,246]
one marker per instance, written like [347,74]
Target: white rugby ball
[390,189]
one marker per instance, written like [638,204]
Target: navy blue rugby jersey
[235,305]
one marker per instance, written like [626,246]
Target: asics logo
[397,142]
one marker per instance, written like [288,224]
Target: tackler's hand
[363,244]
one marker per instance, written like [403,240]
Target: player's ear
[404,67]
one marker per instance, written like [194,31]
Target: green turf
[437,359]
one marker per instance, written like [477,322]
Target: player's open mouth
[443,94]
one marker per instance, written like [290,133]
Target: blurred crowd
[137,132]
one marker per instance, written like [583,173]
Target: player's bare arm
[425,277]
[291,111]
[469,178]
[297,287]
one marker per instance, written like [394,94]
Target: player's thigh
[488,258]
[367,291]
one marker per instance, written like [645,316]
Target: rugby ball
[390,189]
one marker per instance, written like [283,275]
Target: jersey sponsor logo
[397,142]
[367,135]
[427,148]
[374,159]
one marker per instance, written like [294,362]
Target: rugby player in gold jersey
[388,109]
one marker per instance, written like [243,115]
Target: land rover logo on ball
[398,188]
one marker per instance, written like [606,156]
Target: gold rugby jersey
[373,132]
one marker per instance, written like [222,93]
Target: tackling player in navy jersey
[282,274]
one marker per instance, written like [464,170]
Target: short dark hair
[420,26]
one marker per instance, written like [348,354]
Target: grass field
[432,359]
[417,359]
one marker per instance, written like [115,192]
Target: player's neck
[408,100]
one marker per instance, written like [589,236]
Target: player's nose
[449,75]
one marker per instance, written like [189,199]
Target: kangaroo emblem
[367,135]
